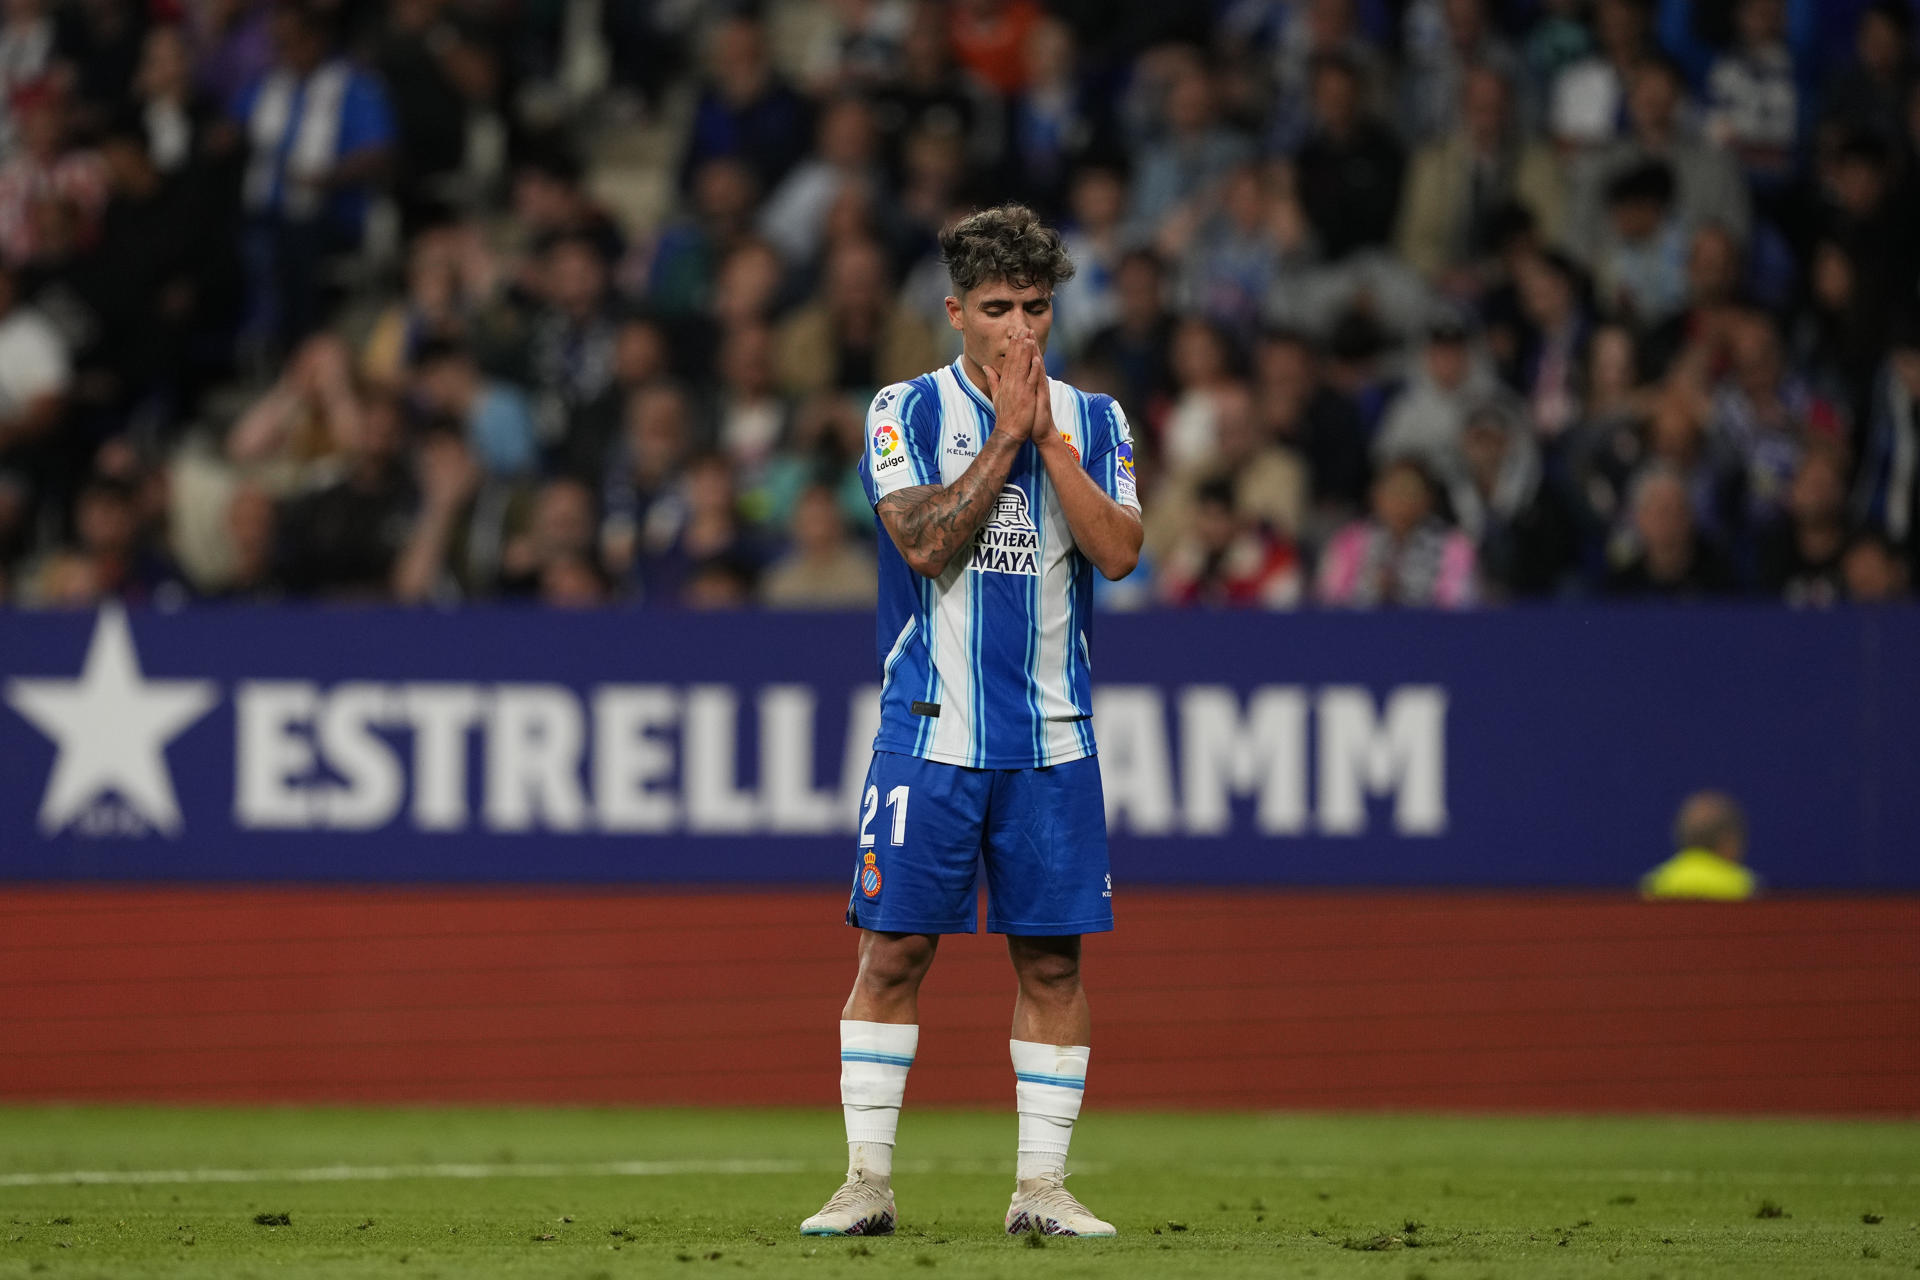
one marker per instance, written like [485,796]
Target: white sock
[1049,1082]
[874,1057]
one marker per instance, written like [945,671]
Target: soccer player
[1000,492]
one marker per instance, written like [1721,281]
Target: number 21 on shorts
[896,804]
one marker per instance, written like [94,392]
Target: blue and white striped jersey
[989,664]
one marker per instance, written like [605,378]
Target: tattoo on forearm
[937,521]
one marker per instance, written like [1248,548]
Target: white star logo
[112,728]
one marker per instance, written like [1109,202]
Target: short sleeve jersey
[990,664]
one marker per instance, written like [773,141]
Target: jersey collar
[966,384]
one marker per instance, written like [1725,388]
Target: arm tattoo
[932,523]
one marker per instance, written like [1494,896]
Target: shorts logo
[1009,543]
[870,877]
[886,439]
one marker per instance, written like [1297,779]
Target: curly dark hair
[1007,242]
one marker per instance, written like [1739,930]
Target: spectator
[854,336]
[1707,183]
[435,62]
[1053,124]
[687,256]
[1426,419]
[231,42]
[700,529]
[1800,553]
[1609,443]
[1525,542]
[1640,264]
[1588,94]
[1203,367]
[122,560]
[1712,834]
[858,47]
[1753,96]
[1462,179]
[312,413]
[642,471]
[1764,414]
[1268,484]
[572,345]
[745,109]
[990,40]
[747,289]
[1888,490]
[1698,333]
[1300,412]
[750,415]
[1403,555]
[551,203]
[1349,167]
[1671,558]
[47,183]
[1860,214]
[824,569]
[929,94]
[795,215]
[1446,42]
[1245,251]
[1136,344]
[493,418]
[1868,93]
[27,52]
[344,538]
[320,137]
[561,527]
[252,575]
[1547,366]
[1089,302]
[1194,152]
[1873,571]
[184,126]
[1228,558]
[453,287]
[35,380]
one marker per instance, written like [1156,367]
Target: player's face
[992,315]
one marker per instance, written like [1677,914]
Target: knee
[1049,974]
[895,964]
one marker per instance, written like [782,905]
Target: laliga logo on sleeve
[869,876]
[886,438]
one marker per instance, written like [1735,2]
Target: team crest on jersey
[1066,438]
[1009,543]
[869,876]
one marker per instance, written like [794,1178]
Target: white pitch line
[393,1172]
[675,1168]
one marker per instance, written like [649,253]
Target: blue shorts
[925,828]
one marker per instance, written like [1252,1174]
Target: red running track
[1241,999]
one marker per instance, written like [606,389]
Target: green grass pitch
[442,1192]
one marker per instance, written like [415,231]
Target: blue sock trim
[1065,1082]
[884,1059]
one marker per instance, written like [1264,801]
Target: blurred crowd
[1410,302]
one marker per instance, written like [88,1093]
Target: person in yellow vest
[1712,834]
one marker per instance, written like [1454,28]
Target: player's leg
[879,1035]
[1049,1003]
[1048,880]
[914,879]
